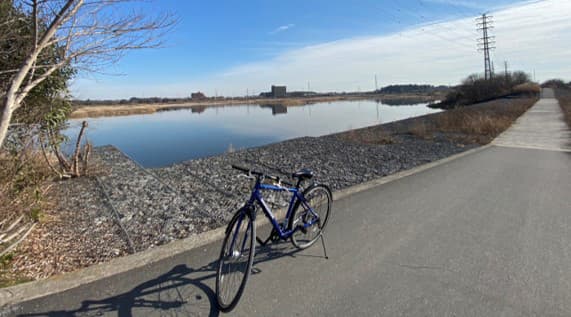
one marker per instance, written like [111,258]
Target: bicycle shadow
[182,291]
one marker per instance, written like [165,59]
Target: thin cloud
[441,53]
[282,28]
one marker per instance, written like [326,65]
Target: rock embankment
[155,206]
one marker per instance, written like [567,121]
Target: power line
[460,40]
[486,42]
[411,12]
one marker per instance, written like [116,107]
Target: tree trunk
[75,164]
[5,117]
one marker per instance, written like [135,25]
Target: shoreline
[135,109]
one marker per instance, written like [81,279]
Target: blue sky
[230,46]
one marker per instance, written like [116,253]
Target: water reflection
[168,137]
[276,109]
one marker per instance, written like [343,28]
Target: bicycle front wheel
[319,199]
[236,259]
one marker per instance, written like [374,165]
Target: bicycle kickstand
[323,244]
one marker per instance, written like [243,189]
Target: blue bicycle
[304,223]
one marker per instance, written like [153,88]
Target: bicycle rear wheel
[319,198]
[236,259]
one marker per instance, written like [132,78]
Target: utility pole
[376,84]
[308,87]
[486,42]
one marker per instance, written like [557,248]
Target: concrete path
[542,127]
[488,234]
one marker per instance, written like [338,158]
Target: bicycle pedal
[255,270]
[274,236]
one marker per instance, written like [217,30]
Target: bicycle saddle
[303,174]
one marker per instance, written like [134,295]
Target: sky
[234,48]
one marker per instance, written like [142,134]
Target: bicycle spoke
[235,259]
[312,216]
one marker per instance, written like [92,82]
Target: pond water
[168,137]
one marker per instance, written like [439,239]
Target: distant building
[279,91]
[198,96]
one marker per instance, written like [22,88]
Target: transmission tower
[486,42]
[506,72]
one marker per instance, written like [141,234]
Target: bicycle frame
[297,196]
[281,231]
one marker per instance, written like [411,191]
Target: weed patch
[564,97]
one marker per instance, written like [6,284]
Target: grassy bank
[133,109]
[25,197]
[479,123]
[564,97]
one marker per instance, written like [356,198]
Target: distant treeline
[413,89]
[477,88]
[392,89]
[134,101]
[556,84]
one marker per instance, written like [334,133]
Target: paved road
[485,235]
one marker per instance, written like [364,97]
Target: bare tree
[87,34]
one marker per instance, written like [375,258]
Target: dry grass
[477,125]
[527,88]
[564,97]
[23,184]
[379,136]
[421,130]
[24,192]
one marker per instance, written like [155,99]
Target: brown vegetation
[27,195]
[421,130]
[380,137]
[479,123]
[475,89]
[24,197]
[526,89]
[564,97]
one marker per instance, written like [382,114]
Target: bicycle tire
[300,211]
[227,304]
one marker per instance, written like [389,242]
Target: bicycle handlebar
[260,174]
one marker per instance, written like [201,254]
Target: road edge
[11,296]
